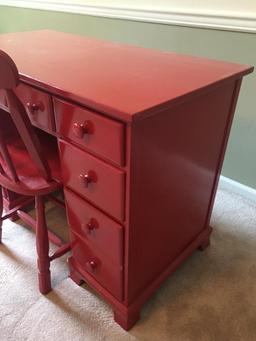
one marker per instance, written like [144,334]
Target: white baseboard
[221,20]
[238,188]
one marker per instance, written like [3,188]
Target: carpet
[211,297]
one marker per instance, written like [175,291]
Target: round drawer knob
[91,265]
[85,179]
[80,129]
[91,226]
[32,107]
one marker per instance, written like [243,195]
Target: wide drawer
[94,262]
[90,130]
[93,179]
[38,105]
[96,228]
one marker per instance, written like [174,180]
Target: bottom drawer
[92,261]
[98,230]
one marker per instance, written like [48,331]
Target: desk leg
[127,318]
[73,274]
[206,242]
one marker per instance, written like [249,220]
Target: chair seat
[27,172]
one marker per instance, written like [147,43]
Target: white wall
[231,15]
[230,7]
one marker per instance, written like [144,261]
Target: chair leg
[1,212]
[42,246]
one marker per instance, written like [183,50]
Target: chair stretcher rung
[14,210]
[32,222]
[61,251]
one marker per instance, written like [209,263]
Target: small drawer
[3,101]
[94,262]
[38,105]
[92,131]
[95,227]
[93,179]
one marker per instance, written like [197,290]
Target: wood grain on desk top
[123,81]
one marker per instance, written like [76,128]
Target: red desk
[142,136]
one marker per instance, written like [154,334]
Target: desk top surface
[123,81]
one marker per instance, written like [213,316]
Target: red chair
[28,169]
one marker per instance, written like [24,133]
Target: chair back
[9,80]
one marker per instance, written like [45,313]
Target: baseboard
[220,20]
[238,188]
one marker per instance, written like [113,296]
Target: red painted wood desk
[142,136]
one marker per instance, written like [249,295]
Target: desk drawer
[95,227]
[94,262]
[38,105]
[90,130]
[93,179]
[3,101]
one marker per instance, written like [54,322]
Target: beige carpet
[210,297]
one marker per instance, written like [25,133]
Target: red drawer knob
[32,107]
[85,179]
[91,226]
[80,129]
[91,265]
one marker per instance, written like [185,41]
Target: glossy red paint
[93,179]
[140,190]
[38,105]
[123,81]
[90,130]
[95,228]
[94,261]
[178,167]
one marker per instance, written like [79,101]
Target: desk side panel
[176,161]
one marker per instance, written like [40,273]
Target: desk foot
[127,319]
[74,275]
[204,245]
[206,242]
